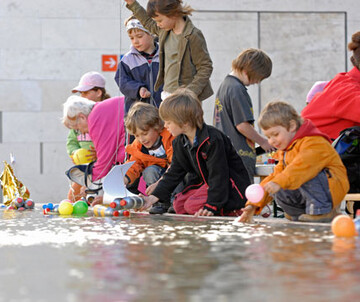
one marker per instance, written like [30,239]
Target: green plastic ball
[80,207]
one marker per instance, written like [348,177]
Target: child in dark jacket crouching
[216,177]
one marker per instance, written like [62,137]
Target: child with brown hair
[183,55]
[310,180]
[233,113]
[151,150]
[217,178]
[138,69]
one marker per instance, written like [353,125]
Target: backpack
[347,146]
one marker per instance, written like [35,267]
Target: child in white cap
[138,69]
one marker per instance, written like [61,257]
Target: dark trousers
[313,197]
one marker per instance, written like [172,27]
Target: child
[234,114]
[217,177]
[92,87]
[310,181]
[151,150]
[104,121]
[183,55]
[138,69]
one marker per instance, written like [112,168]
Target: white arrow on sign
[111,62]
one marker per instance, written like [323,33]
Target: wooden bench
[352,197]
[349,202]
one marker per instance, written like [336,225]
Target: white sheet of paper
[113,184]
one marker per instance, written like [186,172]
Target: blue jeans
[313,197]
[152,174]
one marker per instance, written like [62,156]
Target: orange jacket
[143,160]
[305,157]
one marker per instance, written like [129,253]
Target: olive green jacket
[194,59]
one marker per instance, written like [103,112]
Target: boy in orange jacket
[151,150]
[310,180]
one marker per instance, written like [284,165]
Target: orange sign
[109,62]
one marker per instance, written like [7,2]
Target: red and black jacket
[212,161]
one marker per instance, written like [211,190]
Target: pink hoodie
[106,129]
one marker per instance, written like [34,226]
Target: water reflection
[168,259]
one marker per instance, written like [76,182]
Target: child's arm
[272,187]
[249,132]
[313,155]
[247,214]
[149,201]
[136,168]
[140,14]
[72,143]
[129,86]
[202,61]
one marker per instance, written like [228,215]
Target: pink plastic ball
[254,193]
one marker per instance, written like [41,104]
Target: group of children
[190,167]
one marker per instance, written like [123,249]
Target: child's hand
[151,188]
[82,191]
[149,201]
[92,155]
[126,181]
[144,93]
[272,187]
[129,2]
[247,215]
[97,200]
[203,212]
[267,147]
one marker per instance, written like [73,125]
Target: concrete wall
[47,45]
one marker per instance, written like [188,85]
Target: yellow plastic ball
[80,158]
[65,208]
[343,226]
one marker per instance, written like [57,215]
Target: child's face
[142,41]
[81,124]
[164,22]
[279,137]
[173,128]
[147,137]
[92,95]
[245,79]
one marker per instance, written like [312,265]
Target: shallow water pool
[158,258]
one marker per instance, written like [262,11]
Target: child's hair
[255,62]
[354,46]
[278,113]
[73,106]
[132,17]
[168,8]
[104,94]
[181,107]
[143,116]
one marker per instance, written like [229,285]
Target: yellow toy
[80,156]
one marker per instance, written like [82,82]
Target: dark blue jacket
[212,161]
[135,72]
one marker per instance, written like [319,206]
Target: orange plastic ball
[343,226]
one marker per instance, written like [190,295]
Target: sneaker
[159,208]
[328,217]
[171,210]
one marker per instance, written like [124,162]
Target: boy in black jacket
[216,177]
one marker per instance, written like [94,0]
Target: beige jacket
[194,59]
